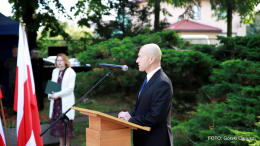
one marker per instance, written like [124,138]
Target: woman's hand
[52,96]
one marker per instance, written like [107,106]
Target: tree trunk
[229,20]
[123,23]
[32,38]
[156,15]
[31,31]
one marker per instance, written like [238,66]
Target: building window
[196,12]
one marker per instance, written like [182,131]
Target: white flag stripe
[22,75]
[31,141]
[2,131]
[28,62]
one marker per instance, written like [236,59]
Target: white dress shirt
[150,74]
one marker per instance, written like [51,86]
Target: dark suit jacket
[153,109]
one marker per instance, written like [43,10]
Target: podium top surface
[110,118]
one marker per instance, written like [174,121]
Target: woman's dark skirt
[57,130]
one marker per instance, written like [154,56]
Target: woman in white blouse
[62,100]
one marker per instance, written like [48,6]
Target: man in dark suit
[153,102]
[10,67]
[37,67]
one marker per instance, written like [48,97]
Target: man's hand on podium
[124,116]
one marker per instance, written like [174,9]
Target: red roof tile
[190,26]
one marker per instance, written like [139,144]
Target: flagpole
[23,24]
[2,109]
[23,27]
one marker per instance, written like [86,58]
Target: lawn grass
[80,132]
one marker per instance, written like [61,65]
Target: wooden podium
[106,130]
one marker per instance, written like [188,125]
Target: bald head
[153,50]
[149,57]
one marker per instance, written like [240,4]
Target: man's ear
[152,59]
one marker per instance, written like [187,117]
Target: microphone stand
[63,116]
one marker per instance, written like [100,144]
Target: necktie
[144,83]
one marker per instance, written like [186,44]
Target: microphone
[114,67]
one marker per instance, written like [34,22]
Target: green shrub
[238,47]
[234,92]
[188,71]
[252,138]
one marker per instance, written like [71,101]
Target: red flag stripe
[2,143]
[1,95]
[25,128]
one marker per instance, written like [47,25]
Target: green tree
[224,9]
[124,10]
[78,38]
[240,47]
[229,103]
[98,9]
[252,138]
[234,92]
[157,9]
[254,28]
[36,14]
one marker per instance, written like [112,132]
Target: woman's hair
[64,58]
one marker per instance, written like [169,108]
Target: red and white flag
[28,122]
[2,135]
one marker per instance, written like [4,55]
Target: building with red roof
[188,27]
